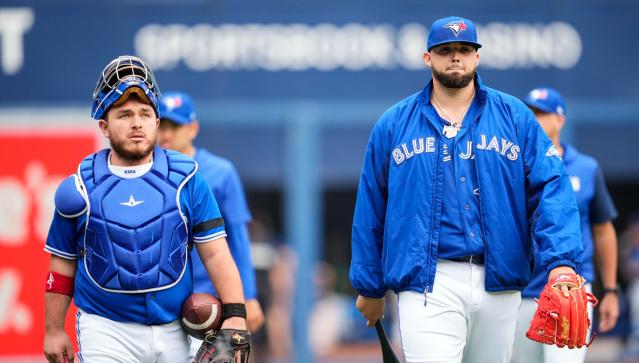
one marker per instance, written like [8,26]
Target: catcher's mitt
[225,346]
[562,320]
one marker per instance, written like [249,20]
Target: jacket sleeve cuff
[372,295]
[558,263]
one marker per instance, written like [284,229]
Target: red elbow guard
[58,283]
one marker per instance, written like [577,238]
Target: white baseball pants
[460,321]
[194,346]
[102,340]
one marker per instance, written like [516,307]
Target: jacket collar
[429,111]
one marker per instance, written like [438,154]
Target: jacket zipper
[437,160]
[426,295]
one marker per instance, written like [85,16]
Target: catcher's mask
[117,77]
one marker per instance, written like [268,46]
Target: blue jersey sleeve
[240,246]
[236,215]
[367,237]
[232,200]
[62,238]
[602,208]
[206,221]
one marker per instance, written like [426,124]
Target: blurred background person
[329,324]
[597,211]
[630,270]
[279,319]
[178,128]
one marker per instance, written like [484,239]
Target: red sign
[32,164]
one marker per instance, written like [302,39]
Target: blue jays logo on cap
[177,107]
[452,29]
[456,26]
[547,100]
[539,94]
[172,102]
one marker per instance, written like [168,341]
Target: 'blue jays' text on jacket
[523,192]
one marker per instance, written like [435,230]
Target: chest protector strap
[136,235]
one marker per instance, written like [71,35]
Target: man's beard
[131,156]
[449,81]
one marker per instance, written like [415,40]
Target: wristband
[233,310]
[58,283]
[615,290]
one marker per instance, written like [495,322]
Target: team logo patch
[539,94]
[456,26]
[50,281]
[238,338]
[132,202]
[576,183]
[173,102]
[552,151]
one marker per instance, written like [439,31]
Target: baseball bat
[387,351]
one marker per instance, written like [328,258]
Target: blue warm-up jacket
[524,194]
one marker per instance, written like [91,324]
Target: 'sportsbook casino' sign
[325,47]
[270,50]
[353,46]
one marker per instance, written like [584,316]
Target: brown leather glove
[225,346]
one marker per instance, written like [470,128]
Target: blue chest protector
[136,236]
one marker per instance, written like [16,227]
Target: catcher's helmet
[120,74]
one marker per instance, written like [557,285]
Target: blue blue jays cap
[177,107]
[547,100]
[452,29]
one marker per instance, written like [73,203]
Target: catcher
[120,236]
